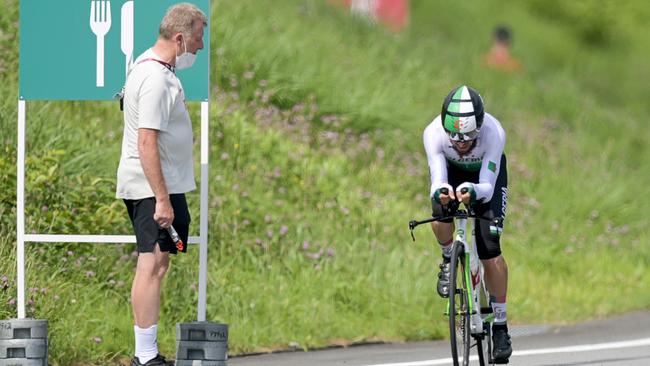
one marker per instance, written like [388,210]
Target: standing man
[156,167]
[464,148]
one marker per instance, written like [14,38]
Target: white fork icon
[100,23]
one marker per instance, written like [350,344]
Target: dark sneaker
[502,346]
[159,360]
[443,277]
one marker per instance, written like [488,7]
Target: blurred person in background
[394,14]
[499,57]
[156,166]
[465,149]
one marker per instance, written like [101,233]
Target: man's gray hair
[180,18]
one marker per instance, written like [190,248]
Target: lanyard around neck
[168,66]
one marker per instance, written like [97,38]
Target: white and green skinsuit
[484,156]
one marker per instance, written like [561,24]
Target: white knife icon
[126,40]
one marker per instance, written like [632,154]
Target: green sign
[80,49]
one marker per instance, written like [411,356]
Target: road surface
[618,341]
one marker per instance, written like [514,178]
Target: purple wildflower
[315,256]
[331,252]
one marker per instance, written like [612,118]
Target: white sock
[446,248]
[499,310]
[146,343]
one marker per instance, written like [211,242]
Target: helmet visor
[462,137]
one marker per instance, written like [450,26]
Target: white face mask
[186,59]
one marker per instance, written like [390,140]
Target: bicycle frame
[475,280]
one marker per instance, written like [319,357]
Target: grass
[316,165]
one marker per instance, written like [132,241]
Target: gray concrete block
[200,363]
[22,362]
[23,348]
[199,350]
[202,331]
[23,328]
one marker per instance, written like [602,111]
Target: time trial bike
[468,306]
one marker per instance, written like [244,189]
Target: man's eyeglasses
[463,137]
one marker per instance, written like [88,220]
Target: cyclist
[464,147]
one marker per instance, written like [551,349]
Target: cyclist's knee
[488,238]
[444,231]
[488,247]
[497,261]
[441,225]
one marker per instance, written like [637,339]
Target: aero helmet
[462,113]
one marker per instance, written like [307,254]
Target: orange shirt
[499,58]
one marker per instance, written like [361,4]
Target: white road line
[582,348]
[586,347]
[442,361]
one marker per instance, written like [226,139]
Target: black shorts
[147,231]
[488,232]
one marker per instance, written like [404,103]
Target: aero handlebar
[452,206]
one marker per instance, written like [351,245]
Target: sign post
[101,39]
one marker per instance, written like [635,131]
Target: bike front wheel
[459,316]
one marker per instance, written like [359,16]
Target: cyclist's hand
[466,193]
[444,194]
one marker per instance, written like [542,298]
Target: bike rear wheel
[459,317]
[484,342]
[484,347]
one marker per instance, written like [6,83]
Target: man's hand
[164,214]
[444,194]
[469,195]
